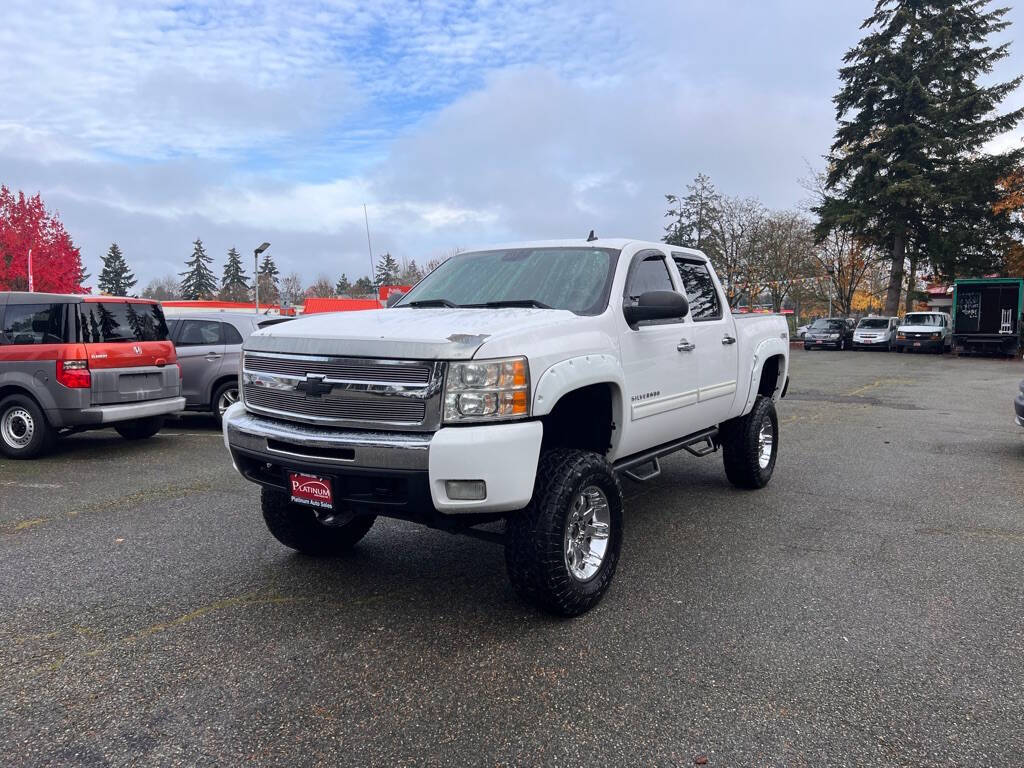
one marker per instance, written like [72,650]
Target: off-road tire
[535,545]
[27,415]
[297,527]
[140,429]
[741,448]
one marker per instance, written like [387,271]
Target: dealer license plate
[311,490]
[917,343]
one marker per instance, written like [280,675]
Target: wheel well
[14,389]
[218,383]
[581,419]
[770,373]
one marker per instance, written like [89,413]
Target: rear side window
[649,273]
[121,321]
[231,334]
[195,333]
[33,324]
[700,289]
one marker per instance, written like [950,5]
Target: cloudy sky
[458,123]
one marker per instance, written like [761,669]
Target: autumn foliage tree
[26,224]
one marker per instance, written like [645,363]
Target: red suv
[69,363]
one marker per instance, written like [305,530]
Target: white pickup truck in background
[516,384]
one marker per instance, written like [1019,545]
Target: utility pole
[369,248]
[256,272]
[31,283]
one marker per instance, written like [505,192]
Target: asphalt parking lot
[865,608]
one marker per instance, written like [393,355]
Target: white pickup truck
[512,384]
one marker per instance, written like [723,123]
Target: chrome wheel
[587,532]
[17,427]
[765,444]
[227,398]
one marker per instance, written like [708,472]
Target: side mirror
[656,305]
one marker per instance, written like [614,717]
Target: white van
[925,332]
[875,333]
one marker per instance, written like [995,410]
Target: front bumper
[925,345]
[878,343]
[398,473]
[112,414]
[822,343]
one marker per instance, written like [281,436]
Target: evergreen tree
[269,288]
[115,278]
[233,285]
[692,218]
[411,275]
[343,286]
[906,171]
[362,286]
[198,281]
[387,270]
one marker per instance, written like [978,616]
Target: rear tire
[224,397]
[297,526]
[561,552]
[140,429]
[24,431]
[750,445]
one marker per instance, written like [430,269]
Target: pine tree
[692,217]
[387,270]
[233,285]
[269,289]
[411,275]
[363,286]
[906,170]
[198,282]
[116,279]
[343,286]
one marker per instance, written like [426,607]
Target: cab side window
[33,324]
[231,334]
[648,273]
[700,289]
[196,333]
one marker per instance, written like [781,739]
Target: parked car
[834,332]
[70,363]
[924,332]
[875,333]
[209,346]
[802,330]
[512,384]
[1018,405]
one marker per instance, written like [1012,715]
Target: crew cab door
[659,362]
[200,347]
[714,333]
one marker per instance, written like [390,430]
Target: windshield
[821,324]
[922,319]
[121,321]
[576,279]
[874,322]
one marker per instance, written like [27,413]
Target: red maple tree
[25,223]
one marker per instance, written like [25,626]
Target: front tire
[561,552]
[24,431]
[298,527]
[750,445]
[140,429]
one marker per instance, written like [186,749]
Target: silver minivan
[209,346]
[874,332]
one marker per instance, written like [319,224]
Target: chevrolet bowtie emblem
[314,386]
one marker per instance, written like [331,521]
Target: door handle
[727,339]
[213,356]
[685,346]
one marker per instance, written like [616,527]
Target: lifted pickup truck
[513,384]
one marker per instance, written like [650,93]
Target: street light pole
[256,272]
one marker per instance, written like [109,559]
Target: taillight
[74,374]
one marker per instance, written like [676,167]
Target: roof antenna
[591,237]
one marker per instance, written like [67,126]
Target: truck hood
[406,332]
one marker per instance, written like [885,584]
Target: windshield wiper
[430,303]
[511,303]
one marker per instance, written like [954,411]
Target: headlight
[936,335]
[900,335]
[833,335]
[487,390]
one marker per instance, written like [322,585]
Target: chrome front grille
[344,392]
[376,371]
